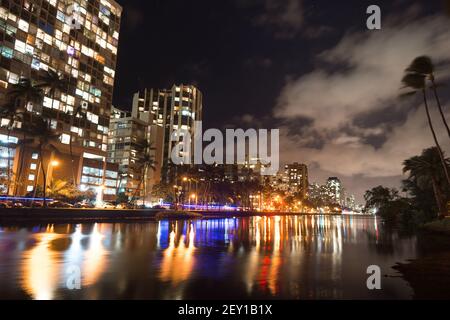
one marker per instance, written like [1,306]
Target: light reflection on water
[295,257]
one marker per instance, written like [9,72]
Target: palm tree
[78,113]
[146,162]
[46,138]
[427,168]
[424,66]
[52,82]
[56,187]
[23,93]
[18,96]
[416,82]
[22,143]
[11,113]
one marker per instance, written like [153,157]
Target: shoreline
[52,215]
[429,273]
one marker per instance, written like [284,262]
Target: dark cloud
[284,17]
[368,131]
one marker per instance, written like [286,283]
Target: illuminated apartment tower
[335,190]
[168,110]
[78,39]
[129,138]
[154,115]
[296,177]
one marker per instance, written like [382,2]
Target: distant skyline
[310,68]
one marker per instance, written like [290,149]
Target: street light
[55,163]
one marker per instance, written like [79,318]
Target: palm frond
[421,65]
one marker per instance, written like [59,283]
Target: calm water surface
[296,257]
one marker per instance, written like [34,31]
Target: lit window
[35,156]
[31,177]
[30,188]
[20,46]
[33,166]
[65,138]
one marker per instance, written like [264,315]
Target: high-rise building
[155,114]
[177,108]
[77,39]
[350,202]
[296,177]
[334,187]
[125,146]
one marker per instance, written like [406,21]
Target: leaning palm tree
[53,82]
[10,112]
[22,143]
[78,113]
[416,82]
[423,65]
[427,168]
[19,96]
[147,162]
[46,138]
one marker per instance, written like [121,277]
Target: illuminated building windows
[6,52]
[65,138]
[20,46]
[110,191]
[30,188]
[60,16]
[23,25]
[33,166]
[111,174]
[110,183]
[31,177]
[92,117]
[13,78]
[35,156]
[35,64]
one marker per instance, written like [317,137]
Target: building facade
[296,178]
[155,115]
[334,187]
[78,40]
[172,109]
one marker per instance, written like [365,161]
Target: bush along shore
[177,215]
[439,226]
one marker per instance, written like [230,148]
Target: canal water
[294,257]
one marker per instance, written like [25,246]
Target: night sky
[310,68]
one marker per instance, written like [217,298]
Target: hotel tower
[78,40]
